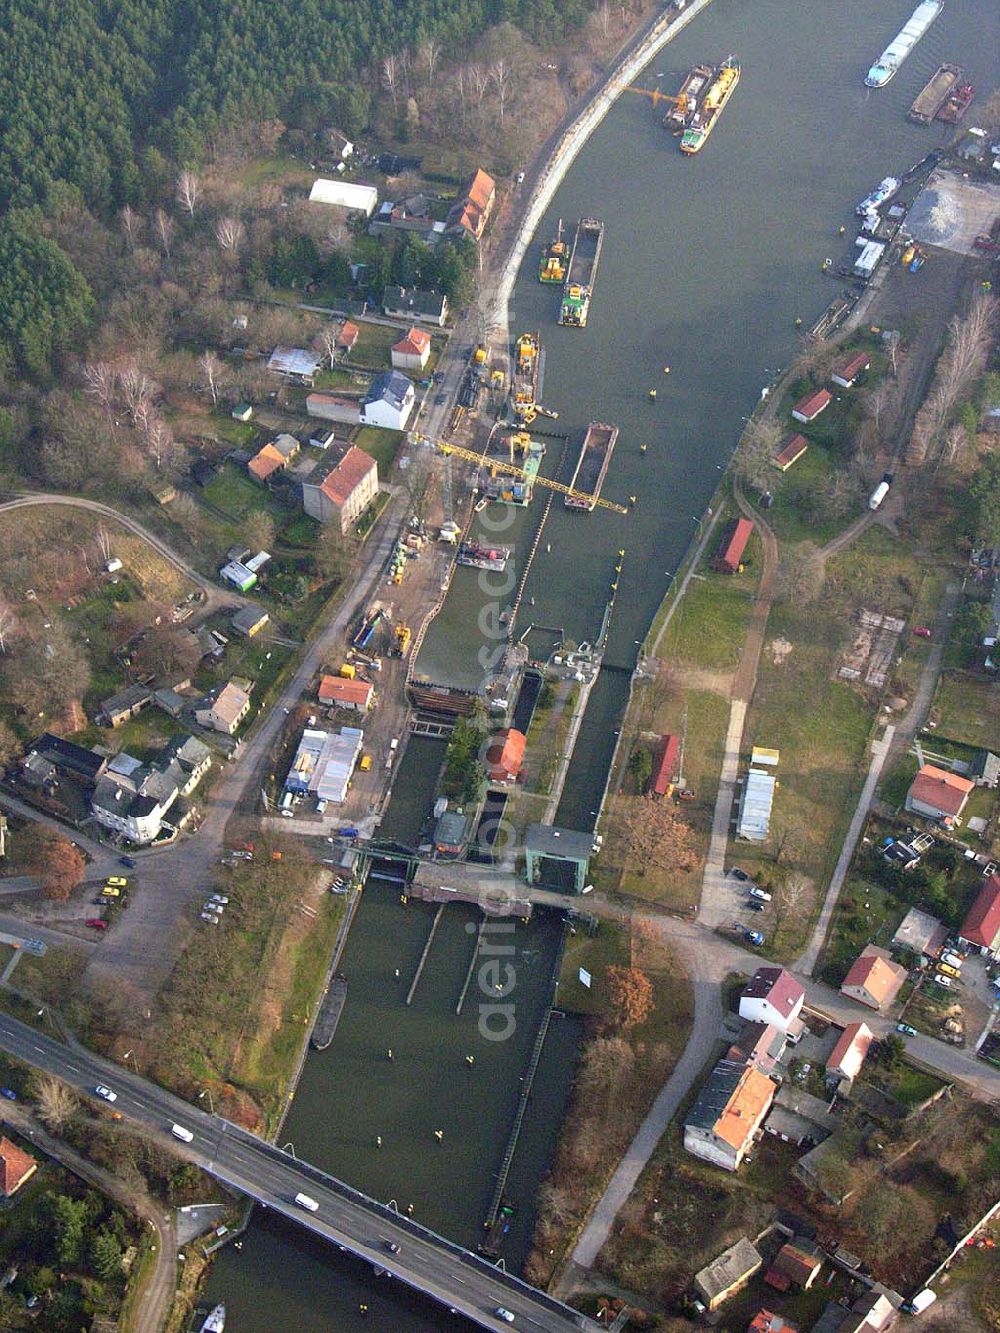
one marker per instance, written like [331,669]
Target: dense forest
[94,92]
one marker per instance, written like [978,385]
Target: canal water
[707,263]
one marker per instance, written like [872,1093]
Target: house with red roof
[16,1166]
[792,449]
[347,337]
[849,1054]
[471,210]
[874,979]
[765,1321]
[412,351]
[339,490]
[343,693]
[772,996]
[732,546]
[845,375]
[981,927]
[938,794]
[808,408]
[666,759]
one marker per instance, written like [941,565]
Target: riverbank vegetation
[638,1009]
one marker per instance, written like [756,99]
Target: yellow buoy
[666,370]
[652,393]
[643,448]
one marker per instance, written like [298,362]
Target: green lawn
[607,947]
[866,913]
[232,491]
[301,531]
[332,379]
[709,627]
[967,708]
[382,445]
[790,516]
[373,345]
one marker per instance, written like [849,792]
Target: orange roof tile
[265,462]
[15,1166]
[416,343]
[340,690]
[848,1055]
[741,1114]
[348,334]
[481,189]
[877,975]
[982,924]
[945,791]
[343,480]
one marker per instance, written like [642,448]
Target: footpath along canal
[707,263]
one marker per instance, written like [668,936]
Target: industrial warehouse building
[324,763]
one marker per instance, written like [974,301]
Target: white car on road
[105,1093]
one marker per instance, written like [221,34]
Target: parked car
[922,632]
[753,936]
[761,895]
[9,1093]
[906,1030]
[990,868]
[941,980]
[741,875]
[952,959]
[95,923]
[209,906]
[116,882]
[752,906]
[210,917]
[219,898]
[950,971]
[104,1092]
[128,861]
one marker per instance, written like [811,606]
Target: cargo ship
[686,103]
[477,556]
[957,104]
[934,94]
[582,271]
[592,466]
[723,86]
[553,264]
[903,43]
[215,1320]
[524,384]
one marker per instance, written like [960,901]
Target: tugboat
[703,122]
[215,1321]
[957,104]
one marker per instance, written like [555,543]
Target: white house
[389,402]
[413,351]
[772,996]
[226,711]
[344,194]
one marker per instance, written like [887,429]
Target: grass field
[865,914]
[709,626]
[373,345]
[382,445]
[967,708]
[232,491]
[789,516]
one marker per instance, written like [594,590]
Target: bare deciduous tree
[427,58]
[801,574]
[99,381]
[502,72]
[230,234]
[654,834]
[326,343]
[138,391]
[212,371]
[390,79]
[188,192]
[56,1100]
[752,460]
[131,226]
[479,81]
[165,228]
[160,442]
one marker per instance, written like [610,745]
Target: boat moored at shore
[475,555]
[688,99]
[703,122]
[552,267]
[592,466]
[580,276]
[524,384]
[956,104]
[881,194]
[215,1320]
[934,94]
[903,43]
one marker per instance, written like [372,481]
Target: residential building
[50,757]
[413,351]
[791,450]
[117,710]
[848,1055]
[324,763]
[765,1321]
[728,1274]
[193,757]
[248,621]
[666,766]
[773,996]
[238,575]
[358,695]
[722,1125]
[874,979]
[981,927]
[758,1044]
[505,756]
[344,194]
[920,933]
[415,213]
[339,490]
[389,401]
[347,337]
[294,363]
[800,1261]
[938,794]
[429,307]
[471,210]
[845,375]
[16,1166]
[732,546]
[226,711]
[132,799]
[808,408]
[335,407]
[800,1118]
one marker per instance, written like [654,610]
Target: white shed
[345,194]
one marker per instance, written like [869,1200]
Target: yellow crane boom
[512,470]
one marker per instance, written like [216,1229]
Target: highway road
[458,1279]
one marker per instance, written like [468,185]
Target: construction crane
[512,470]
[655,96]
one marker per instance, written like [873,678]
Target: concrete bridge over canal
[445,1272]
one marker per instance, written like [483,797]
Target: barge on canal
[688,99]
[712,105]
[582,271]
[329,1014]
[934,94]
[592,466]
[903,43]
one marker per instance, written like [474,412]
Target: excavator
[497,465]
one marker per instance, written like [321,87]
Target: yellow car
[949,971]
[116,882]
[108,892]
[366,763]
